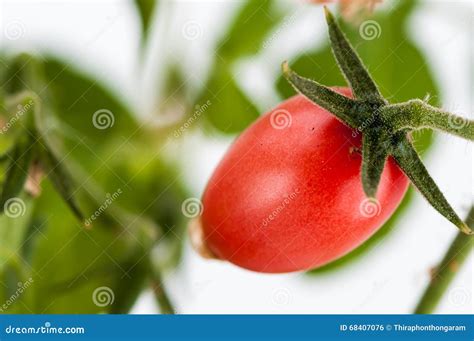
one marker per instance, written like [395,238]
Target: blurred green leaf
[399,69]
[16,77]
[18,74]
[231,110]
[131,284]
[7,142]
[85,108]
[247,32]
[90,110]
[13,268]
[126,159]
[145,10]
[121,156]
[67,262]
[103,256]
[151,187]
[60,178]
[174,83]
[14,231]
[14,293]
[158,287]
[17,171]
[173,102]
[29,73]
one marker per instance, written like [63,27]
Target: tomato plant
[94,179]
[249,216]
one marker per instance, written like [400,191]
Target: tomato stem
[385,127]
[162,297]
[447,269]
[418,115]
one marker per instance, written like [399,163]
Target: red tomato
[288,196]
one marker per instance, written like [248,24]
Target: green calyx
[385,127]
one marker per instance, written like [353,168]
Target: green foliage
[60,178]
[231,110]
[75,97]
[151,187]
[99,154]
[145,10]
[250,27]
[103,256]
[221,90]
[13,268]
[118,155]
[19,160]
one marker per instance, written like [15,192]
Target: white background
[102,37]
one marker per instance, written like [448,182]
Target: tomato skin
[291,199]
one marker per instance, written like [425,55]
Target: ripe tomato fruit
[287,195]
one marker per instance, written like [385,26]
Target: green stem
[162,297]
[418,115]
[445,272]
